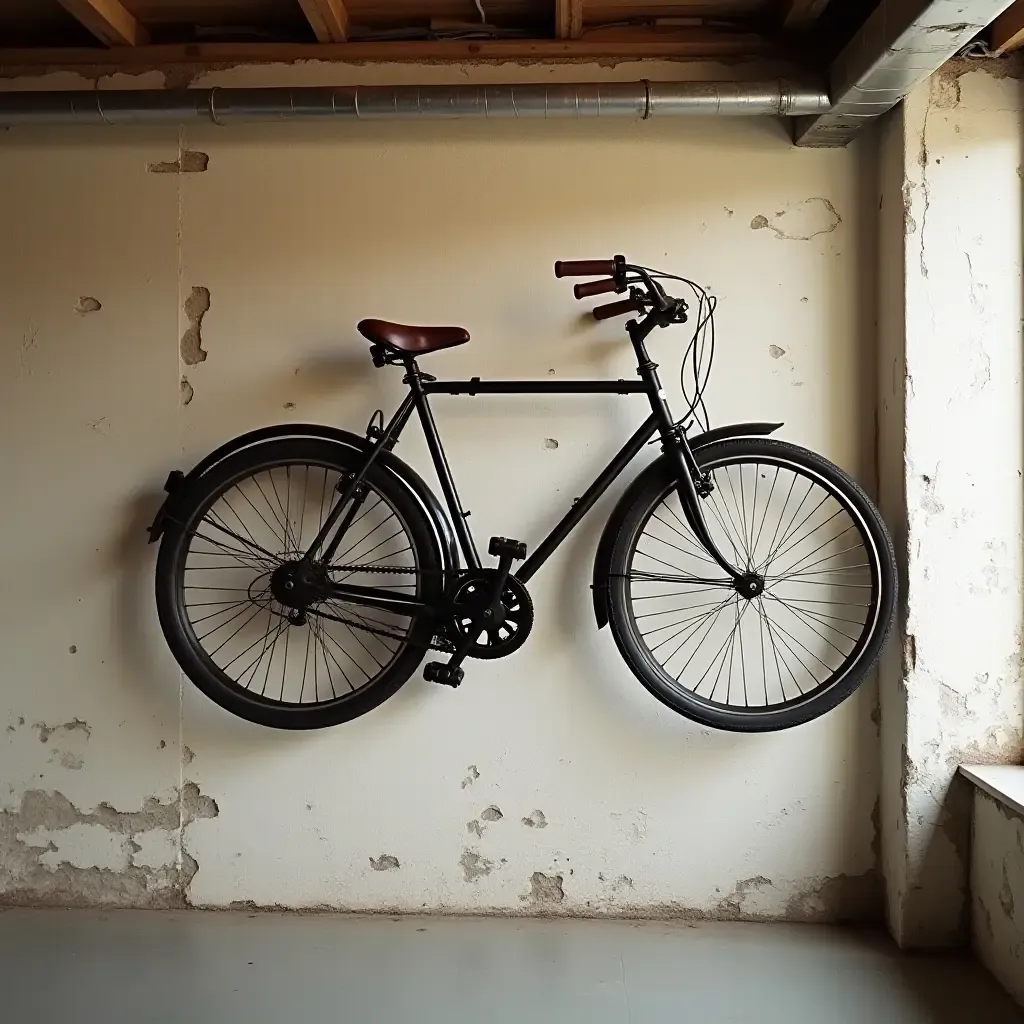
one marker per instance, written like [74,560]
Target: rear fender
[660,468]
[178,483]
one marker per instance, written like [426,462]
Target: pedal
[500,546]
[446,675]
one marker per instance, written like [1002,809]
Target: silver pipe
[376,102]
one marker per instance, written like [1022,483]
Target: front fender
[660,466]
[178,483]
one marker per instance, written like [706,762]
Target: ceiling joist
[1008,30]
[108,21]
[328,19]
[568,19]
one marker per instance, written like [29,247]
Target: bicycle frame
[423,385]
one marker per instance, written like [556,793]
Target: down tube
[586,502]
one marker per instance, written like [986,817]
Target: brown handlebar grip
[584,268]
[610,309]
[608,284]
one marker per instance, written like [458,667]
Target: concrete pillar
[950,461]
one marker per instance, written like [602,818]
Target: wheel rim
[259,521]
[780,522]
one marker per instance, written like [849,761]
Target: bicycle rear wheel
[256,511]
[825,577]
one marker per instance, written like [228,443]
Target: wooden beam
[798,15]
[568,19]
[1008,29]
[328,18]
[683,44]
[108,21]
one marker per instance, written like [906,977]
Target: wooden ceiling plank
[328,18]
[798,15]
[108,21]
[568,19]
[1008,29]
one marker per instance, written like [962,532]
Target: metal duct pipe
[374,102]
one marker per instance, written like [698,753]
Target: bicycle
[749,583]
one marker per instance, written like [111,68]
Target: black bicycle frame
[422,385]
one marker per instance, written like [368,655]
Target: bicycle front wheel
[825,581]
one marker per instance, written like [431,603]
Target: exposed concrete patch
[475,867]
[75,725]
[191,161]
[53,854]
[197,305]
[776,352]
[545,890]
[187,391]
[492,813]
[86,304]
[535,819]
[471,777]
[385,862]
[802,221]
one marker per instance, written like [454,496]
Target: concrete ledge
[1003,782]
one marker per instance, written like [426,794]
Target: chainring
[465,596]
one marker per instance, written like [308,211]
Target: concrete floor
[105,968]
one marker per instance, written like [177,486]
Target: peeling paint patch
[535,819]
[53,854]
[75,725]
[731,906]
[197,305]
[86,304]
[475,867]
[550,443]
[187,391]
[191,161]
[841,899]
[385,862]
[802,221]
[187,756]
[1006,894]
[492,813]
[546,890]
[776,352]
[474,828]
[471,777]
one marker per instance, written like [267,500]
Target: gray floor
[104,968]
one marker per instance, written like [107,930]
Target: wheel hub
[298,584]
[750,585]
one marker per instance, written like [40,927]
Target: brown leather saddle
[413,341]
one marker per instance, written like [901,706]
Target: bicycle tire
[181,636]
[849,495]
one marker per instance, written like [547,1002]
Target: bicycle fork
[675,445]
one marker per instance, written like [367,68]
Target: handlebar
[608,284]
[610,309]
[584,268]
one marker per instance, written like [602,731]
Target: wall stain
[492,813]
[1006,894]
[86,304]
[197,305]
[546,890]
[475,867]
[191,161]
[385,862]
[535,819]
[26,880]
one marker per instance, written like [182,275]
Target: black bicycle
[304,571]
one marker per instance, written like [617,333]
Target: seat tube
[441,467]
